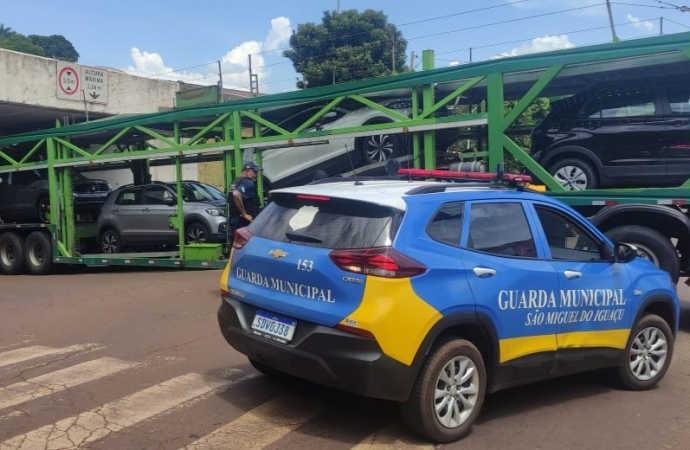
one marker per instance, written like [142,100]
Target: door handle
[484,272]
[146,210]
[570,274]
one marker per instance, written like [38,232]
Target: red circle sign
[68,80]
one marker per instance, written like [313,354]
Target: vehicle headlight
[215,211]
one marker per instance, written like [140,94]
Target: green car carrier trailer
[485,99]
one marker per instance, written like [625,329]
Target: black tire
[38,253]
[43,209]
[381,147]
[110,241]
[196,233]
[419,411]
[11,253]
[650,344]
[651,245]
[574,174]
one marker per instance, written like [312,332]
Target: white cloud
[234,64]
[648,26]
[541,44]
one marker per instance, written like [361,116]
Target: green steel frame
[222,131]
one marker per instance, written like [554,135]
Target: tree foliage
[54,46]
[346,46]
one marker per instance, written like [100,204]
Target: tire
[420,413]
[38,252]
[574,174]
[196,233]
[651,245]
[43,209]
[11,253]
[381,147]
[648,353]
[110,241]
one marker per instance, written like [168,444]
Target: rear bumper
[320,354]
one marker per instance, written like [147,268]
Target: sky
[198,41]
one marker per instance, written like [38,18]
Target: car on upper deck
[432,294]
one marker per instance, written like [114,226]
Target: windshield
[197,192]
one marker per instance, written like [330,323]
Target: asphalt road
[128,359]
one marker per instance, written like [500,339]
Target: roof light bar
[452,174]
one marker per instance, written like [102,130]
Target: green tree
[5,32]
[56,47]
[20,43]
[346,46]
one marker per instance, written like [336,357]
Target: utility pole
[220,83]
[412,56]
[613,28]
[393,47]
[661,26]
[253,79]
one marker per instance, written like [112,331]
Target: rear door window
[129,197]
[620,103]
[679,100]
[326,222]
[446,226]
[500,229]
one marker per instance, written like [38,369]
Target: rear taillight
[242,236]
[378,261]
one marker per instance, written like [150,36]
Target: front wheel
[648,353]
[574,175]
[448,394]
[196,233]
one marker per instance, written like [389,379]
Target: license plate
[273,327]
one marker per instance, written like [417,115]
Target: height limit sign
[81,83]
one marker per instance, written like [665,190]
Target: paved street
[133,359]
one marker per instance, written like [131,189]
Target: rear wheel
[381,147]
[43,209]
[11,253]
[39,253]
[574,174]
[651,245]
[648,353]
[110,241]
[448,394]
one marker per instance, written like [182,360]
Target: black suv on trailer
[625,135]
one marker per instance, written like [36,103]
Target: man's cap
[251,165]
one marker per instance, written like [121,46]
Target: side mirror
[170,201]
[624,253]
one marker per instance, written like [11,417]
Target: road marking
[61,380]
[262,425]
[38,351]
[396,437]
[90,426]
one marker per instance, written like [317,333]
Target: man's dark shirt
[246,187]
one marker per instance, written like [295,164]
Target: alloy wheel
[379,148]
[648,353]
[456,392]
[572,178]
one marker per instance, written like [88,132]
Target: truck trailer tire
[651,244]
[39,253]
[11,253]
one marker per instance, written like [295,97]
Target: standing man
[243,200]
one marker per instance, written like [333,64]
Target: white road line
[396,437]
[38,351]
[61,380]
[90,426]
[262,425]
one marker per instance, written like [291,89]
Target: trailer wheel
[11,253]
[651,245]
[39,253]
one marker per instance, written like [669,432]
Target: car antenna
[352,166]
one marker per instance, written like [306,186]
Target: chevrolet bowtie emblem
[277,253]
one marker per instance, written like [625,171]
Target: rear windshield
[326,222]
